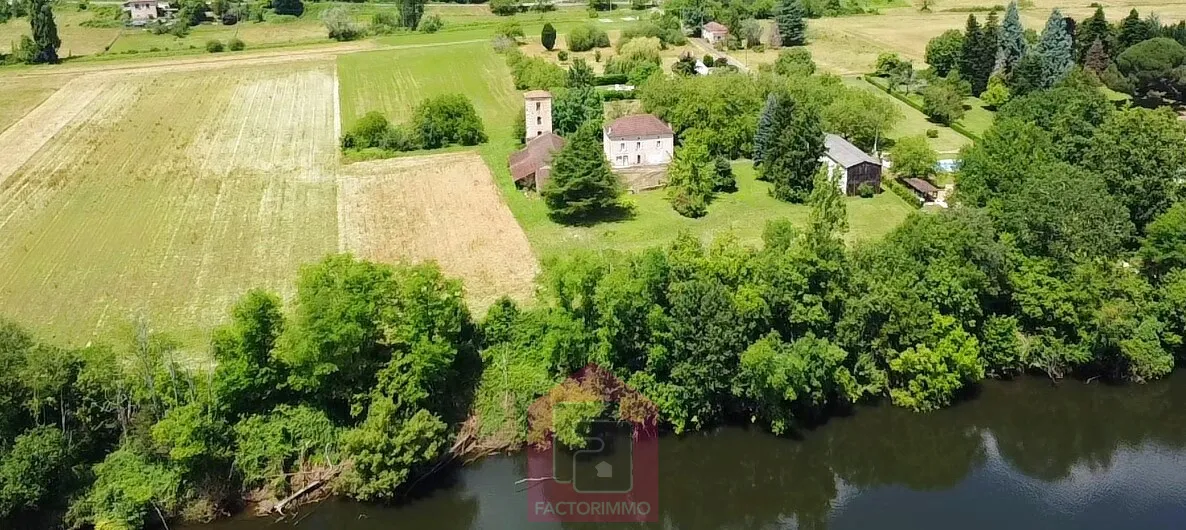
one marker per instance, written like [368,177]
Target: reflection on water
[1023,454]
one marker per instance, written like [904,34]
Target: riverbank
[1023,454]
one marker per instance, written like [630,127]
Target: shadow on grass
[613,214]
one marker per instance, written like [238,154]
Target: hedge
[876,81]
[615,95]
[610,79]
[901,191]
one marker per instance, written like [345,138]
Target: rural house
[141,12]
[531,165]
[858,167]
[637,141]
[715,32]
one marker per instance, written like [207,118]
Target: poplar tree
[45,32]
[1011,46]
[792,27]
[762,137]
[792,156]
[1055,50]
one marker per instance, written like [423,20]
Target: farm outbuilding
[925,191]
[531,166]
[858,167]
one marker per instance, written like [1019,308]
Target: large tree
[860,116]
[1092,29]
[792,156]
[1132,30]
[581,184]
[1011,44]
[1055,50]
[45,32]
[1164,248]
[1142,155]
[764,132]
[575,106]
[945,51]
[547,36]
[691,177]
[410,13]
[790,16]
[971,55]
[1155,67]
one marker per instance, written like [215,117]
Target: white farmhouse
[637,141]
[142,11]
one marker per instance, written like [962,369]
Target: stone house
[531,166]
[858,167]
[638,141]
[141,12]
[715,32]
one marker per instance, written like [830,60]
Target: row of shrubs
[216,46]
[440,121]
[340,24]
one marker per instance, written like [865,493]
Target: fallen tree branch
[309,488]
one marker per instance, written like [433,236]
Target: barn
[859,168]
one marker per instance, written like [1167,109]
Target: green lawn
[977,119]
[915,123]
[394,81]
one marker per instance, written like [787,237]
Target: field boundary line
[23,139]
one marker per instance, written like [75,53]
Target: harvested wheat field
[165,196]
[443,208]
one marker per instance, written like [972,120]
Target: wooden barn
[859,168]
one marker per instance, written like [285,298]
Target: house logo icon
[605,470]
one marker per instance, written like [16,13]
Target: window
[637,159]
[637,145]
[539,120]
[537,133]
[622,146]
[536,105]
[658,144]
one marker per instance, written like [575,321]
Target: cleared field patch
[443,208]
[394,81]
[168,197]
[23,95]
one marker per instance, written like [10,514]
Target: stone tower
[538,108]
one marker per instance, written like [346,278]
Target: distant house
[637,141]
[715,32]
[858,167]
[532,165]
[925,191]
[141,12]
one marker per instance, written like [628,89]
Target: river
[1019,455]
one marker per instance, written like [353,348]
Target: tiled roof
[537,154]
[844,153]
[536,94]
[637,125]
[715,27]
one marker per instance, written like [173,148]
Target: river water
[1019,455]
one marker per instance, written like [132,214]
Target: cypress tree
[792,156]
[582,183]
[762,137]
[691,178]
[1011,46]
[1055,50]
[1132,31]
[547,36]
[792,27]
[1095,28]
[970,55]
[45,32]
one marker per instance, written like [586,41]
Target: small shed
[858,167]
[531,166]
[715,32]
[925,190]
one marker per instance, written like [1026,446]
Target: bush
[563,55]
[547,36]
[339,24]
[288,7]
[504,7]
[447,119]
[866,190]
[510,29]
[432,23]
[586,37]
[609,79]
[214,46]
[932,133]
[235,44]
[383,23]
[708,60]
